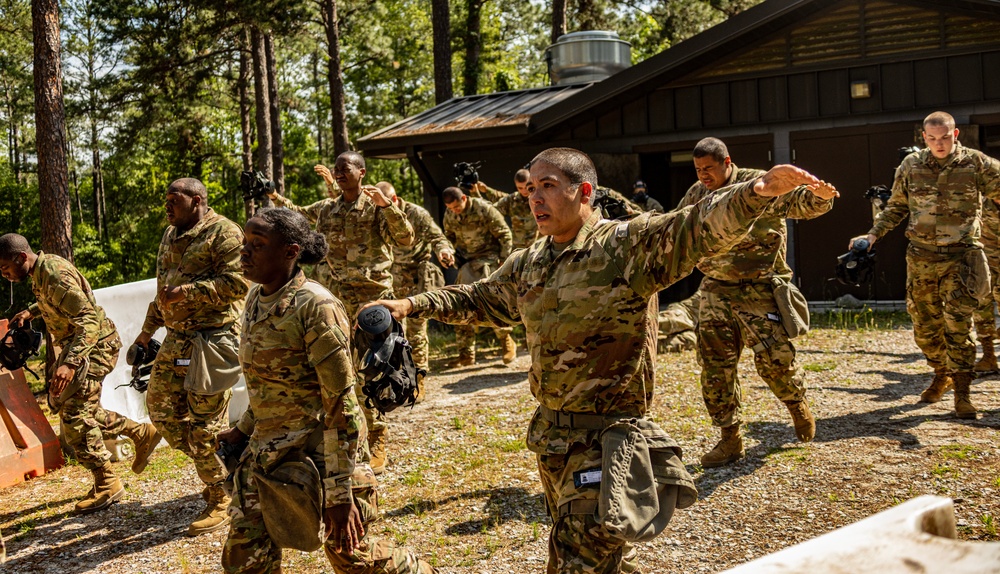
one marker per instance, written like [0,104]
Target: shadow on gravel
[502,505]
[8,516]
[480,382]
[897,385]
[74,544]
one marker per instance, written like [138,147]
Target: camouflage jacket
[204,262]
[991,225]
[66,303]
[479,232]
[428,240]
[943,203]
[523,227]
[297,364]
[589,311]
[762,252]
[360,236]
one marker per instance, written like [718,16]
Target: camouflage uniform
[414,271]
[985,317]
[87,339]
[947,277]
[481,236]
[296,358]
[738,307]
[589,313]
[677,325]
[205,262]
[523,227]
[360,236]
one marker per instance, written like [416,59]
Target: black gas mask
[857,265]
[141,360]
[386,361]
[19,345]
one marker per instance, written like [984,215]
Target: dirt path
[463,490]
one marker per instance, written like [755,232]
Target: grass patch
[820,367]
[793,453]
[866,319]
[509,445]
[957,451]
[945,471]
[166,463]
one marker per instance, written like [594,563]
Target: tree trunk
[335,77]
[50,131]
[263,106]
[320,116]
[473,45]
[277,149]
[246,123]
[440,17]
[558,19]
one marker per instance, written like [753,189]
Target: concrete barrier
[916,536]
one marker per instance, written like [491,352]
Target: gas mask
[387,361]
[857,265]
[18,345]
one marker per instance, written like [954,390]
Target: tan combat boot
[145,437]
[802,420]
[465,359]
[107,490]
[216,513]
[729,449]
[941,384]
[963,405]
[509,349]
[377,446]
[988,364]
[420,388]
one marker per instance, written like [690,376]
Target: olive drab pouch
[976,275]
[792,306]
[215,362]
[291,501]
[642,480]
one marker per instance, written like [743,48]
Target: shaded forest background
[157,90]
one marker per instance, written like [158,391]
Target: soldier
[985,317]
[738,307]
[514,206]
[361,227]
[479,233]
[586,296]
[200,292]
[413,271]
[642,199]
[677,325]
[298,368]
[941,189]
[483,191]
[89,344]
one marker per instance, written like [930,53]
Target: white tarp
[126,305]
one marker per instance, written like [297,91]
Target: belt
[711,282]
[578,506]
[581,421]
[954,248]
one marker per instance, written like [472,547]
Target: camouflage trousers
[985,317]
[249,549]
[577,543]
[731,317]
[465,335]
[84,423]
[189,421]
[943,291]
[376,420]
[414,280]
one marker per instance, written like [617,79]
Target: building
[835,86]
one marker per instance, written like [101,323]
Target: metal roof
[458,119]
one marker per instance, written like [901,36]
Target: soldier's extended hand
[399,308]
[64,374]
[447,258]
[21,318]
[824,190]
[325,173]
[344,527]
[377,195]
[229,436]
[143,339]
[782,179]
[870,238]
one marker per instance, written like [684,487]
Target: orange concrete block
[28,445]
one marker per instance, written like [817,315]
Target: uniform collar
[956,155]
[209,217]
[581,236]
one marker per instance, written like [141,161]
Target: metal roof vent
[587,57]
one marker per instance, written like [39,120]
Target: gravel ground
[462,490]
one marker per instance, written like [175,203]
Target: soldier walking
[515,207]
[200,293]
[738,306]
[361,227]
[941,189]
[586,295]
[985,317]
[481,236]
[89,344]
